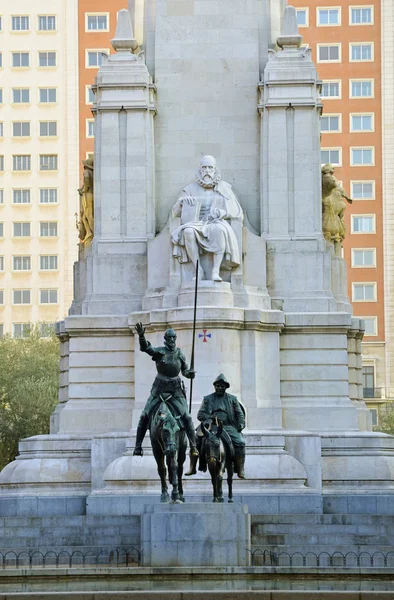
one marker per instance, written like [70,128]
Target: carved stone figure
[86,192]
[206,208]
[334,200]
[224,408]
[168,386]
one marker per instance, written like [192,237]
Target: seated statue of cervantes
[206,207]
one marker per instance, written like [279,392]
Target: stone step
[285,528]
[332,540]
[67,521]
[326,519]
[27,532]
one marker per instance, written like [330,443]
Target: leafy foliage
[29,377]
[386,421]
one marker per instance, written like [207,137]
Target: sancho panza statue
[170,361]
[206,207]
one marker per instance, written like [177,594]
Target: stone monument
[273,311]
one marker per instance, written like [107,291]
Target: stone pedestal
[195,535]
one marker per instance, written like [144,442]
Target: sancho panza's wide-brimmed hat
[222,378]
[89,163]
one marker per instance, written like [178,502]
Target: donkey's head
[170,427]
[213,443]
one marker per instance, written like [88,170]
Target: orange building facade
[346,46]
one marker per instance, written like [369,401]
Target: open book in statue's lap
[206,208]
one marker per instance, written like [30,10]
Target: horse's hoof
[182,499]
[230,500]
[177,502]
[215,500]
[165,498]
[221,500]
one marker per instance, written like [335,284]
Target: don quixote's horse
[168,441]
[219,459]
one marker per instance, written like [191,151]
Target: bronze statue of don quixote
[217,444]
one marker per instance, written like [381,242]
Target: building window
[1,60]
[374,414]
[97,22]
[1,300]
[328,16]
[1,196]
[1,162]
[21,263]
[302,17]
[21,162]
[361,15]
[20,60]
[47,95]
[330,155]
[21,330]
[21,196]
[95,58]
[1,263]
[90,95]
[48,128]
[48,296]
[90,125]
[48,196]
[48,262]
[362,190]
[362,257]
[47,59]
[368,375]
[21,229]
[48,229]
[1,23]
[46,23]
[361,88]
[20,23]
[1,95]
[21,297]
[363,224]
[361,52]
[21,129]
[362,122]
[47,329]
[48,162]
[21,96]
[329,53]
[371,325]
[1,129]
[364,292]
[1,229]
[330,123]
[361,156]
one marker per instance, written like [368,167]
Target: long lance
[194,337]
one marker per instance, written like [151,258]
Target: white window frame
[362,114]
[1,129]
[87,88]
[39,94]
[339,164]
[52,137]
[98,50]
[354,266]
[373,215]
[2,264]
[18,137]
[49,157]
[21,303]
[363,181]
[371,164]
[48,203]
[370,6]
[371,283]
[369,60]
[320,8]
[21,170]
[46,30]
[49,236]
[339,115]
[1,196]
[20,91]
[23,333]
[20,17]
[22,256]
[326,45]
[376,329]
[88,121]
[49,256]
[49,290]
[21,203]
[20,223]
[306,9]
[20,52]
[47,67]
[2,167]
[96,14]
[361,80]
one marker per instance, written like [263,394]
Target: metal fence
[263,557]
[118,557]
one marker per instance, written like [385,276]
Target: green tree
[29,378]
[386,421]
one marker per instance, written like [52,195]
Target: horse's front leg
[161,469]
[181,460]
[213,473]
[219,484]
[173,473]
[230,473]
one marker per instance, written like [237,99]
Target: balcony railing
[372,392]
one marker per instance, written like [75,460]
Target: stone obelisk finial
[124,41]
[290,37]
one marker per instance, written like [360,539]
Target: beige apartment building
[39,161]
